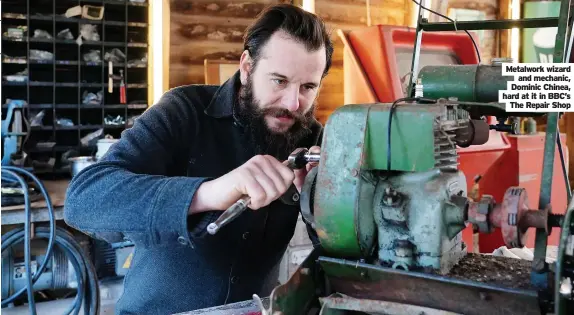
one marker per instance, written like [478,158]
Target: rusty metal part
[481,131]
[477,132]
[514,217]
[461,202]
[299,294]
[422,230]
[364,281]
[456,216]
[478,213]
[341,302]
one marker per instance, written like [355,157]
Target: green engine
[389,203]
[392,185]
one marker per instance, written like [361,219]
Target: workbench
[57,191]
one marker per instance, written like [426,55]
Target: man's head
[287,53]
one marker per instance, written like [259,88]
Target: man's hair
[301,25]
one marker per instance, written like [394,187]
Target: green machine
[388,204]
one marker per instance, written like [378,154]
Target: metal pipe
[416,54]
[489,24]
[539,276]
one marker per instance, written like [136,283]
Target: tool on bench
[296,160]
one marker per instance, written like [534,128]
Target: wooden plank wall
[207,29]
[489,46]
[213,29]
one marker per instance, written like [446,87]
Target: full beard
[265,140]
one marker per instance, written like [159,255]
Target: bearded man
[196,152]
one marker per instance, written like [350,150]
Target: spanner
[296,160]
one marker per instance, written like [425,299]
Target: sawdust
[502,271]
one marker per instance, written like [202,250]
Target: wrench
[296,160]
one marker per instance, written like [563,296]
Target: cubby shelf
[54,74]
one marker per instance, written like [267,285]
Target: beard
[265,140]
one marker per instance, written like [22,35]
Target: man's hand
[300,174]
[263,178]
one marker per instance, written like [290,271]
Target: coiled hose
[88,288]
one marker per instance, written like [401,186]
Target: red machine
[377,62]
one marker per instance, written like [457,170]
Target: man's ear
[245,66]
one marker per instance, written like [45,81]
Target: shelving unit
[57,85]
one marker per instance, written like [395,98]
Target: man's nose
[291,98]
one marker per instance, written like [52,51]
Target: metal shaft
[312,157]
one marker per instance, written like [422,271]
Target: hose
[88,287]
[29,286]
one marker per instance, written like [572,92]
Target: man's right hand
[263,178]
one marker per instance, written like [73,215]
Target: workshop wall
[204,29]
[489,43]
[207,29]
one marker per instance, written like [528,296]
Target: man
[196,152]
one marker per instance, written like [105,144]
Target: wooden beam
[165,33]
[226,8]
[389,13]
[504,12]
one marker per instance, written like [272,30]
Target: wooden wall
[207,29]
[489,46]
[213,29]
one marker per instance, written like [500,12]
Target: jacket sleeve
[129,193]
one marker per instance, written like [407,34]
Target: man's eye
[279,81]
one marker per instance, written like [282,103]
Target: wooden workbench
[57,191]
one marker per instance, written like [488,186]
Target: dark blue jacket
[142,188]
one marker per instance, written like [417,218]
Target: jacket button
[245,235]
[182,240]
[234,279]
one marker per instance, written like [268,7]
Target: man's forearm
[203,199]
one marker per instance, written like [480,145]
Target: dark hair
[301,25]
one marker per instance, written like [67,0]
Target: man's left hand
[300,174]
